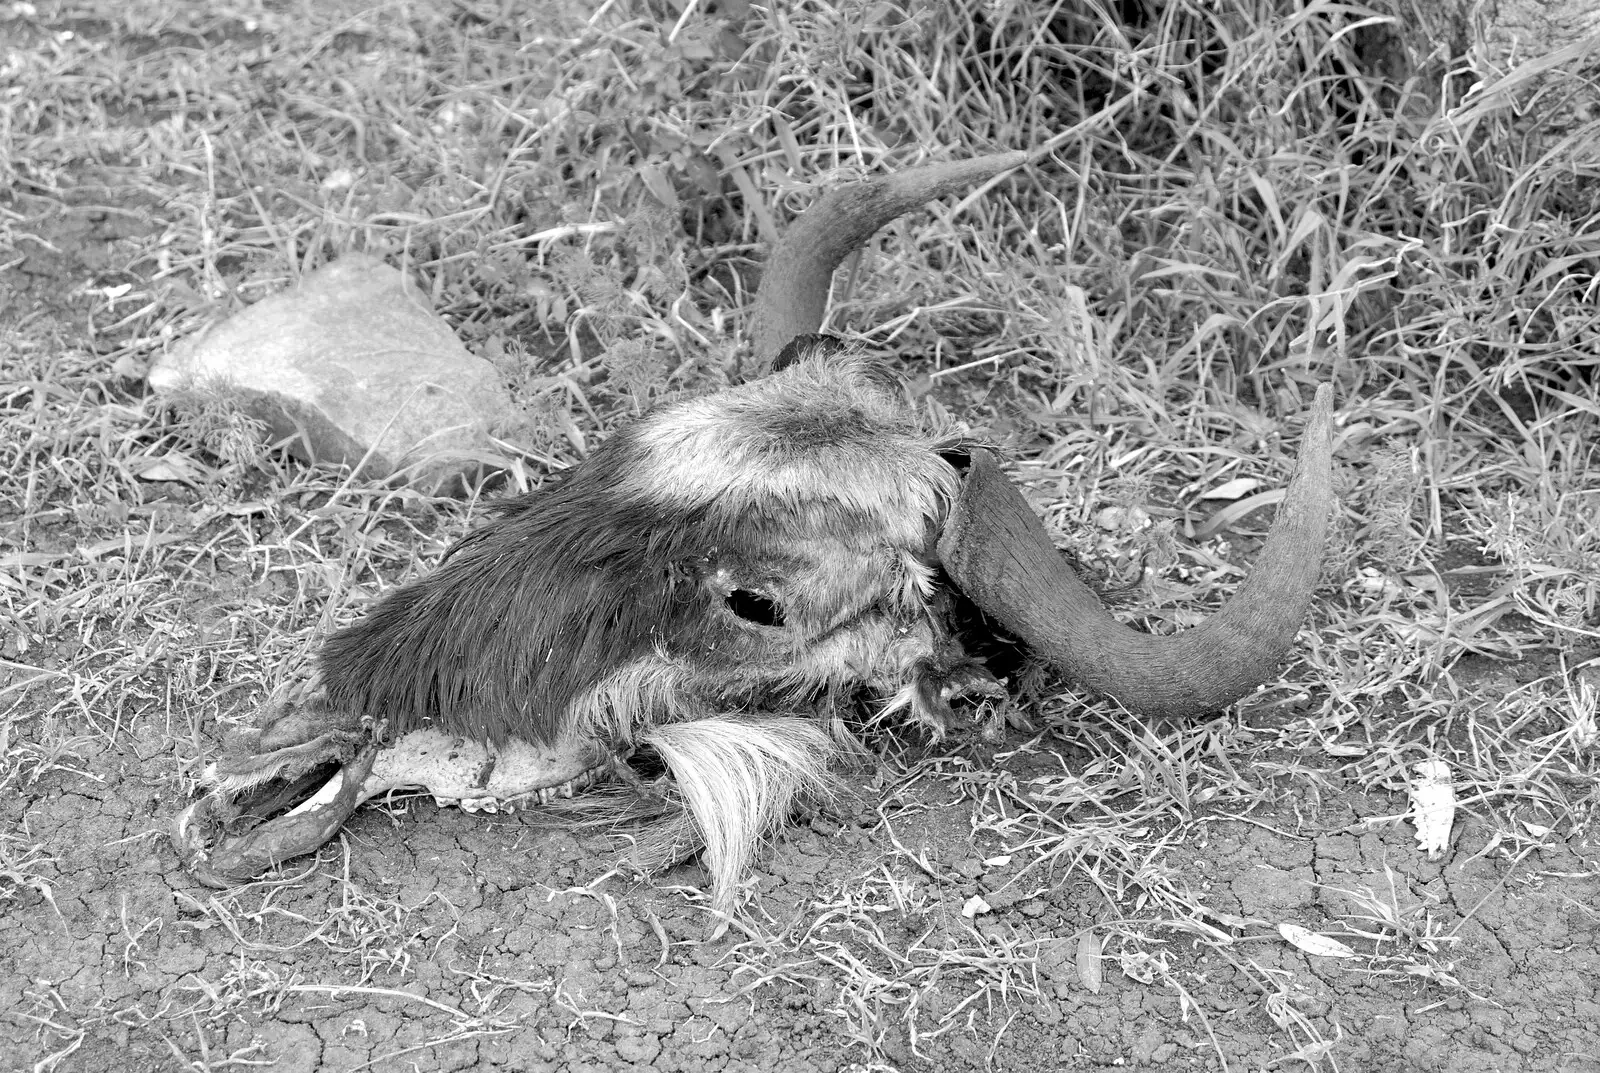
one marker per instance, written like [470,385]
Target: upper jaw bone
[476,775]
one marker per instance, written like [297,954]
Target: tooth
[325,793]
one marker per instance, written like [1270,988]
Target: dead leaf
[1232,489]
[1137,965]
[172,466]
[1334,748]
[656,181]
[1433,806]
[1091,971]
[1313,943]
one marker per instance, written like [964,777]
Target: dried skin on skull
[749,551]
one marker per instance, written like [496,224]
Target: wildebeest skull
[705,585]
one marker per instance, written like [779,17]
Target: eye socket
[753,607]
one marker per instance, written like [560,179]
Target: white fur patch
[652,689]
[739,779]
[727,451]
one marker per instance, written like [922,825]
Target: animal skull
[704,585]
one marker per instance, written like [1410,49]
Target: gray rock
[349,362]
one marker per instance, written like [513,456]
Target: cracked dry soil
[433,939]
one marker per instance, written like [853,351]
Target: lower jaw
[225,841]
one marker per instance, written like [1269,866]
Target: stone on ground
[352,364]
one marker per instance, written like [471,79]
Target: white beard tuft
[739,779]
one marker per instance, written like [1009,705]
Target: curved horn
[998,553]
[793,293]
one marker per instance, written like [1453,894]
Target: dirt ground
[432,939]
[1091,891]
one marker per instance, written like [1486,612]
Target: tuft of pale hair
[739,779]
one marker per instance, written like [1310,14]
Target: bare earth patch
[462,942]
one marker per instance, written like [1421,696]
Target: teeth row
[544,795]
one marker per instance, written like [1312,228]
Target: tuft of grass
[24,868]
